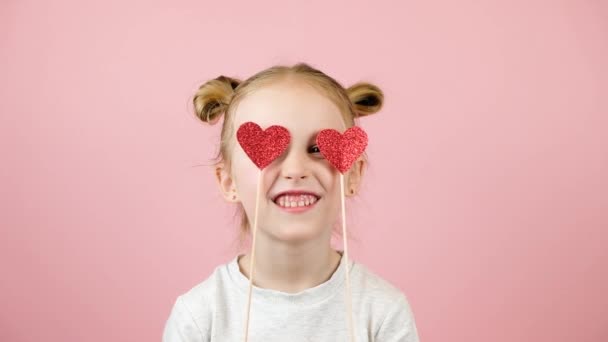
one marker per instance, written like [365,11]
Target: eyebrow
[314,136]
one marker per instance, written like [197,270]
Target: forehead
[297,106]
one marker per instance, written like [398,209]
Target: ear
[226,183]
[354,178]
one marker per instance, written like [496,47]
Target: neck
[289,267]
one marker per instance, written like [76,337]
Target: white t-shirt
[215,310]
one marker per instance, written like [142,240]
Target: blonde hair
[221,95]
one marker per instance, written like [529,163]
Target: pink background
[486,199]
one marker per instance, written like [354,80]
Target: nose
[295,165]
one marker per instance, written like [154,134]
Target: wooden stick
[252,261]
[346,264]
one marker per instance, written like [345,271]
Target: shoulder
[190,316]
[203,292]
[390,310]
[373,286]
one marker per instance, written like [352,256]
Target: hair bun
[366,98]
[213,97]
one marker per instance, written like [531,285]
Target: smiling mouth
[292,201]
[296,202]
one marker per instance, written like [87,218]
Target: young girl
[298,290]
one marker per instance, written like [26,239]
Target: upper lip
[295,192]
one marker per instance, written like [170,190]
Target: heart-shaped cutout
[263,146]
[342,150]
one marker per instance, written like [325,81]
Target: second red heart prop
[342,149]
[262,146]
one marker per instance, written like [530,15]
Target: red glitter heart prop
[263,146]
[342,149]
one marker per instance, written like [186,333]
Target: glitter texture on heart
[342,150]
[263,146]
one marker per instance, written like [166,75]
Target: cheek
[246,178]
[330,180]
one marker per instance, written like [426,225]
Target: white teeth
[291,201]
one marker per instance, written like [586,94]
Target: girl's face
[304,111]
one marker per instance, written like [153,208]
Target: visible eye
[314,149]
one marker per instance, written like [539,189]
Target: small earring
[352,191]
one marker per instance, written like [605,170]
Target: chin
[295,233]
